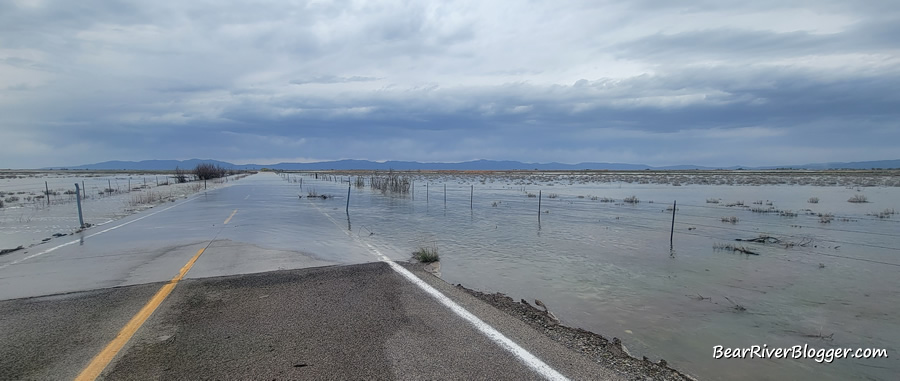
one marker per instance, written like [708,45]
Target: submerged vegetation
[732,220]
[735,248]
[887,213]
[427,254]
[391,182]
[858,198]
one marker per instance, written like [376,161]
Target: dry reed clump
[180,175]
[712,201]
[813,200]
[826,218]
[887,213]
[391,182]
[732,220]
[427,254]
[552,195]
[141,198]
[607,199]
[730,247]
[858,198]
[631,200]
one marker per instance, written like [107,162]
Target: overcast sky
[715,82]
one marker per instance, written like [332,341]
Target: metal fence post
[672,232]
[78,198]
[539,206]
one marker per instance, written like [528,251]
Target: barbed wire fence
[793,230]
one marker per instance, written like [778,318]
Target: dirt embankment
[608,353]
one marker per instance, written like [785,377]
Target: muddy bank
[608,353]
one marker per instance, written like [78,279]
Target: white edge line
[20,260]
[492,333]
[526,357]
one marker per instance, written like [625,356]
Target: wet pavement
[271,230]
[328,313]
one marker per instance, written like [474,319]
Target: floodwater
[26,217]
[608,266]
[603,266]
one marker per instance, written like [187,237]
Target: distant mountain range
[466,166]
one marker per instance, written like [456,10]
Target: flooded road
[192,290]
[603,266]
[266,230]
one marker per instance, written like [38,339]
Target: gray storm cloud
[712,83]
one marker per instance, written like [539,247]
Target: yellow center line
[229,217]
[102,360]
[112,349]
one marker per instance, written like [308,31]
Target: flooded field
[27,217]
[813,267]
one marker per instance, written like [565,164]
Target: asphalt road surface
[245,282]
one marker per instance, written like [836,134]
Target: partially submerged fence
[725,222]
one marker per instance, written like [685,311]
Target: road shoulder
[584,354]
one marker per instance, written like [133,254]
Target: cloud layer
[711,83]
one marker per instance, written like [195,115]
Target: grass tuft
[427,254]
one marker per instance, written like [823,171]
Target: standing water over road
[827,276]
[27,218]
